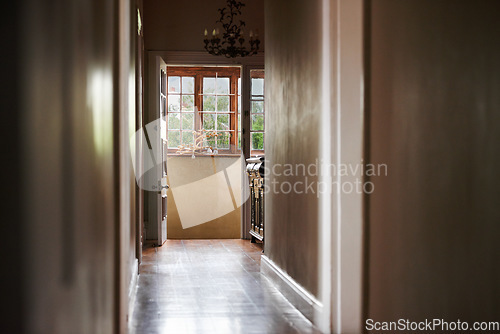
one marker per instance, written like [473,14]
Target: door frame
[139,119]
[202,58]
[155,231]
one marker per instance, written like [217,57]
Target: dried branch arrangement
[199,144]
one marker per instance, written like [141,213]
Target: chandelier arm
[232,34]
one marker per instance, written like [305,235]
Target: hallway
[210,286]
[380,125]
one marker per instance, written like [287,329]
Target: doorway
[206,172]
[204,152]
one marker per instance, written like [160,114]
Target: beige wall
[434,221]
[69,171]
[347,147]
[125,82]
[202,202]
[293,106]
[178,25]
[314,101]
[76,225]
[431,223]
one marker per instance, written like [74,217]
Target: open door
[162,229]
[155,178]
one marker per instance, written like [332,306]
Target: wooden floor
[210,286]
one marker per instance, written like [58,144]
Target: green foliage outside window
[257,141]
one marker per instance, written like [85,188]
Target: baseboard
[132,290]
[301,299]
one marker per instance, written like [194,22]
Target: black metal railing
[255,170]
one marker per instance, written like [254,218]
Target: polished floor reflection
[210,286]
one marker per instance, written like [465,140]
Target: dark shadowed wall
[68,137]
[434,113]
[73,190]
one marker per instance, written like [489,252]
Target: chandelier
[230,43]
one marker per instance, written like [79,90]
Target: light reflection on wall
[99,98]
[131,113]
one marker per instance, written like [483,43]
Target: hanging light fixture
[231,42]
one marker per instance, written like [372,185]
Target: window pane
[208,85]
[257,122]
[211,141]
[257,141]
[209,122]
[239,139]
[222,86]
[239,86]
[187,121]
[174,84]
[239,103]
[187,85]
[187,137]
[239,122]
[223,140]
[257,86]
[223,122]
[174,139]
[222,103]
[188,103]
[257,106]
[174,103]
[174,121]
[209,103]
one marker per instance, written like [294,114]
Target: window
[204,98]
[216,111]
[180,110]
[257,121]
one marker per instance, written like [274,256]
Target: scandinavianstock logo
[205,186]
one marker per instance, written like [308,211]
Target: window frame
[200,72]
[181,113]
[257,73]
